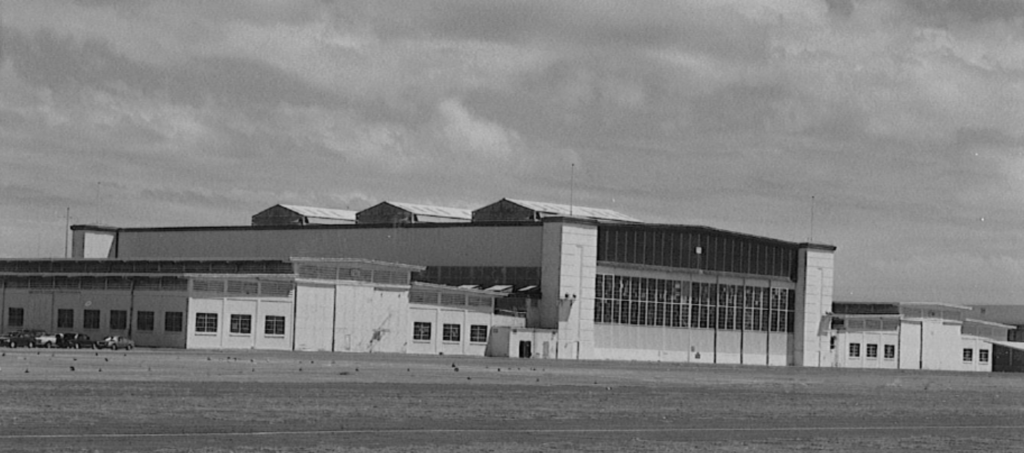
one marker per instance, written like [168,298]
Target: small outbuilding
[389,212]
[287,214]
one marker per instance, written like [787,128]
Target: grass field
[217,401]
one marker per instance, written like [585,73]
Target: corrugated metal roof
[436,211]
[574,211]
[322,213]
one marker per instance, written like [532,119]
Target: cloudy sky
[904,120]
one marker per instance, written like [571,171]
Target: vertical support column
[569,267]
[813,300]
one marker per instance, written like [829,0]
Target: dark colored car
[21,338]
[116,342]
[75,341]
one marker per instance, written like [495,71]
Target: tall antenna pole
[67,227]
[572,184]
[811,239]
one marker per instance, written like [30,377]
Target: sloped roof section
[322,213]
[435,211]
[574,211]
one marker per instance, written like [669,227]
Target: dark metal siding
[676,246]
[385,213]
[278,215]
[504,211]
[1007,359]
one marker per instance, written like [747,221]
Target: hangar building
[306,304]
[913,336]
[611,287]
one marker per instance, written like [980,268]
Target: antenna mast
[572,184]
[811,239]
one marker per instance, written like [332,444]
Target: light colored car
[116,342]
[46,340]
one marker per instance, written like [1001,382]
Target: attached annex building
[306,304]
[913,336]
[611,287]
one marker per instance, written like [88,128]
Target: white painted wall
[437,316]
[371,319]
[92,243]
[569,267]
[813,300]
[314,317]
[864,338]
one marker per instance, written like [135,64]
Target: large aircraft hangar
[610,286]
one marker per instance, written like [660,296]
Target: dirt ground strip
[216,401]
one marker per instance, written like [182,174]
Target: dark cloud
[609,26]
[944,12]
[64,64]
[841,8]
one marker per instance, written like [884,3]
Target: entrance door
[525,349]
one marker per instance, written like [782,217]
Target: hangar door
[314,317]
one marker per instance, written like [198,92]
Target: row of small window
[145,320]
[240,324]
[871,351]
[982,355]
[449,332]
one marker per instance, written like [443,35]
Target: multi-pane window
[206,322]
[854,349]
[241,323]
[451,332]
[91,319]
[421,331]
[173,321]
[872,351]
[274,325]
[15,317]
[671,303]
[890,351]
[478,333]
[983,355]
[968,355]
[144,320]
[65,318]
[118,319]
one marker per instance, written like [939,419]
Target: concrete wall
[813,300]
[435,246]
[976,344]
[672,344]
[160,304]
[569,267]
[936,344]
[863,338]
[92,243]
[910,345]
[372,319]
[314,317]
[41,308]
[224,307]
[509,341]
[438,316]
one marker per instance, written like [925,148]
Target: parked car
[116,342]
[46,340]
[21,338]
[75,340]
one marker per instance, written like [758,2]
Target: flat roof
[489,224]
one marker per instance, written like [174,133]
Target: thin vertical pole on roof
[572,184]
[67,226]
